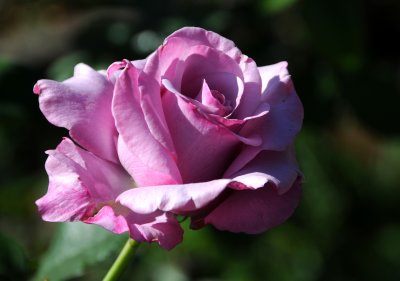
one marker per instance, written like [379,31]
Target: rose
[196,129]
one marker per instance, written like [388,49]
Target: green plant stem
[123,258]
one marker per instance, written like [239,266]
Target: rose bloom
[196,129]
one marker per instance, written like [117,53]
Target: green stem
[119,265]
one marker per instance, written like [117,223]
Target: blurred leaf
[238,270]
[75,246]
[5,64]
[171,24]
[63,67]
[200,254]
[13,260]
[217,21]
[276,6]
[386,173]
[388,244]
[323,205]
[18,194]
[146,41]
[292,249]
[168,272]
[118,33]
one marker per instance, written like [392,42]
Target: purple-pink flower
[196,129]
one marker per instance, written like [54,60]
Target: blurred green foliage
[344,60]
[74,247]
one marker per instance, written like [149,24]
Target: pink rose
[196,129]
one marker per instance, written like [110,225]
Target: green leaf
[74,247]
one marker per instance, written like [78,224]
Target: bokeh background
[344,59]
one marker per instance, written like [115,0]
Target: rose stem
[119,265]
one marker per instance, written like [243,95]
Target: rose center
[218,96]
[213,101]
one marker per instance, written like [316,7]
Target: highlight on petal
[268,73]
[172,198]
[82,104]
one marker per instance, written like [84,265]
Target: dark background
[344,60]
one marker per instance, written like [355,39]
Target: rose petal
[82,104]
[268,72]
[159,227]
[212,101]
[186,198]
[140,142]
[193,36]
[139,170]
[178,60]
[150,100]
[202,146]
[79,182]
[254,211]
[279,168]
[109,219]
[251,97]
[187,69]
[275,173]
[285,118]
[246,154]
[236,124]
[220,71]
[177,198]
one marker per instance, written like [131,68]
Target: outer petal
[82,104]
[158,227]
[176,198]
[279,167]
[261,195]
[197,36]
[138,134]
[254,211]
[108,218]
[284,120]
[191,198]
[79,182]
